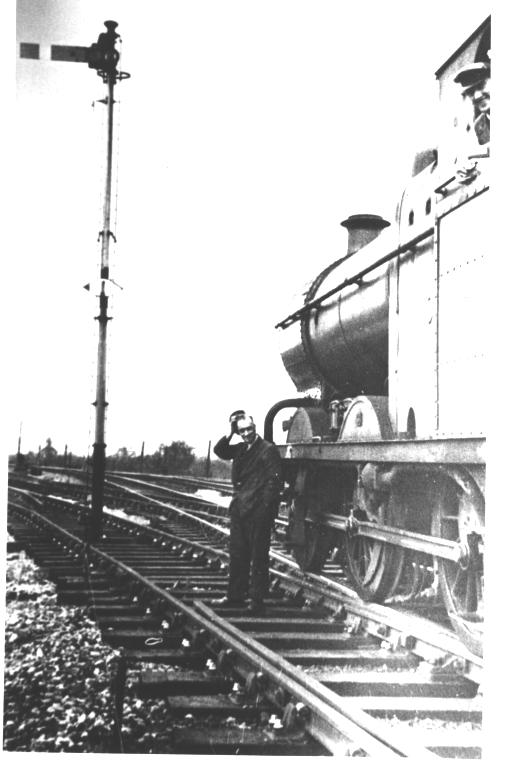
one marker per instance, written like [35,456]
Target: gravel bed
[58,676]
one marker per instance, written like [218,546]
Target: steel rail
[402,745]
[419,635]
[173,508]
[413,627]
[425,636]
[189,497]
[417,542]
[223,486]
[422,638]
[198,482]
[333,723]
[432,545]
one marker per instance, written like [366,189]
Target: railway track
[338,679]
[185,482]
[140,496]
[392,623]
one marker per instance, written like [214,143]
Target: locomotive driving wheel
[375,567]
[311,542]
[458,515]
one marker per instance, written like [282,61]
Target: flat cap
[472,73]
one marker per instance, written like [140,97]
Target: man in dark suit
[256,475]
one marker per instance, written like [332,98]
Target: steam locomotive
[384,454]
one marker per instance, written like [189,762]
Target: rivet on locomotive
[384,455]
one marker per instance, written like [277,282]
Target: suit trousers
[249,546]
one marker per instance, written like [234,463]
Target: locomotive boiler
[384,454]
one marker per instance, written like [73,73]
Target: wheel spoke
[309,544]
[471,599]
[458,516]
[374,566]
[458,586]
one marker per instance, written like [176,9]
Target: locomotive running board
[464,450]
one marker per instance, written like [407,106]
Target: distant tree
[178,457]
[175,458]
[48,453]
[218,469]
[122,459]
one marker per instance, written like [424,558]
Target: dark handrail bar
[290,402]
[354,279]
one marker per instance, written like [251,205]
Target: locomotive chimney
[362,229]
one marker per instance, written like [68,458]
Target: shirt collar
[253,443]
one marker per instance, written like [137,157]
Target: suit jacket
[256,475]
[482,126]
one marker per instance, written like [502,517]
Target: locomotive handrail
[290,402]
[354,279]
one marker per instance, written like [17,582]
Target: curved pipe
[291,402]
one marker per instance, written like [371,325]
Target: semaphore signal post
[103,57]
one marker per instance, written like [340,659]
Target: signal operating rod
[103,58]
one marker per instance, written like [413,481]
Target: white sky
[247,132]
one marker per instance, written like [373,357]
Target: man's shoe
[228,602]
[256,608]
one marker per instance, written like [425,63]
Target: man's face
[247,431]
[480,95]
